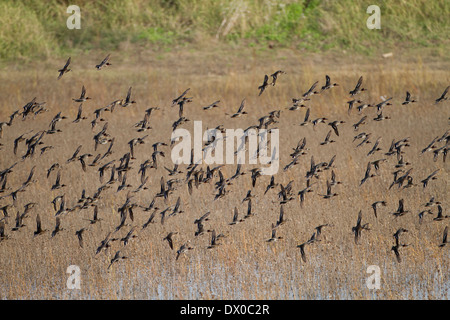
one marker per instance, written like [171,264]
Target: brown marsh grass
[244,266]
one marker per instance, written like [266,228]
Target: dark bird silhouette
[432,176]
[240,111]
[19,222]
[408,99]
[327,139]
[105,62]
[334,125]
[79,234]
[285,195]
[432,202]
[57,227]
[302,246]
[249,196]
[249,210]
[329,194]
[57,184]
[271,185]
[440,215]
[375,147]
[328,84]
[397,253]
[176,100]
[213,242]
[281,220]
[256,173]
[306,121]
[82,97]
[64,69]
[363,106]
[302,193]
[4,209]
[129,236]
[150,219]
[351,103]
[95,218]
[82,160]
[358,88]
[302,251]
[202,218]
[128,100]
[75,154]
[430,147]
[359,123]
[367,174]
[444,238]
[311,91]
[117,257]
[274,237]
[177,208]
[422,213]
[169,239]
[3,235]
[319,229]
[236,219]
[104,244]
[183,249]
[317,121]
[443,96]
[359,227]
[397,236]
[262,87]
[377,203]
[333,180]
[400,180]
[400,210]
[39,229]
[381,105]
[380,117]
[275,76]
[215,104]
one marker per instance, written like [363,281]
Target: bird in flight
[443,96]
[82,97]
[328,84]
[358,88]
[79,234]
[169,239]
[408,99]
[215,104]
[274,237]
[39,229]
[64,69]
[105,62]
[377,203]
[444,238]
[116,258]
[432,176]
[262,87]
[359,227]
[128,100]
[57,227]
[235,220]
[213,242]
[275,76]
[240,111]
[183,249]
[400,210]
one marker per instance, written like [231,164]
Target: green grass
[34,28]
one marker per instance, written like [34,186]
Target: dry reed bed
[244,266]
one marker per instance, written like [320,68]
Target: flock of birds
[196,174]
